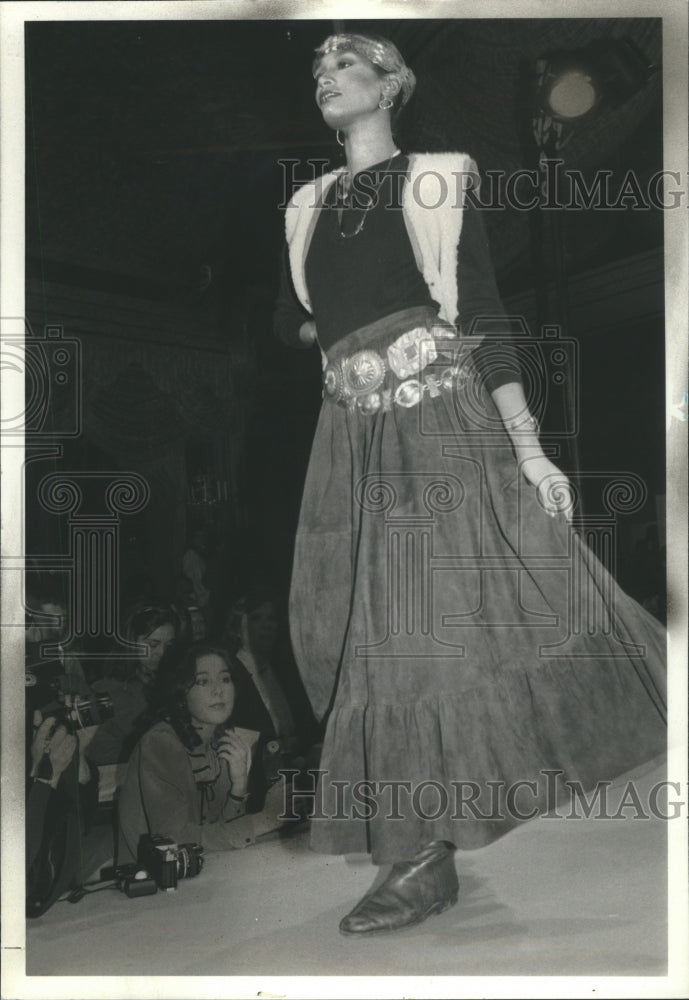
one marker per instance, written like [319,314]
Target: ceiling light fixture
[573,84]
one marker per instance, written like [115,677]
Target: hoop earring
[385,103]
[340,142]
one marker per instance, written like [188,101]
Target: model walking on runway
[431,606]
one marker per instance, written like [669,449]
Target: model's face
[157,641]
[210,699]
[347,87]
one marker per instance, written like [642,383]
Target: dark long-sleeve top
[355,281]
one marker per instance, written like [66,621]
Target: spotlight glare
[573,83]
[573,94]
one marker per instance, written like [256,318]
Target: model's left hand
[554,490]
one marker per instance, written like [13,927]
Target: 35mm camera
[167,862]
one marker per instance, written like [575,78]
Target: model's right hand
[307,332]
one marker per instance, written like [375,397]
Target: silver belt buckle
[411,352]
[356,382]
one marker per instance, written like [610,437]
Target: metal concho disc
[408,393]
[370,404]
[447,377]
[332,381]
[364,372]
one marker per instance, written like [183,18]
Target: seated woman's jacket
[178,793]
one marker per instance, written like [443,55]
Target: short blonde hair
[384,55]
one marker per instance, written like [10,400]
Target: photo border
[14,981]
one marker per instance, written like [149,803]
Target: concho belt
[358,380]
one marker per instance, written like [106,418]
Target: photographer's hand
[55,743]
[84,737]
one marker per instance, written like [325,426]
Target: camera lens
[189,860]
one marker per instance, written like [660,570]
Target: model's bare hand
[307,332]
[555,492]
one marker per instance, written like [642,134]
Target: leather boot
[412,891]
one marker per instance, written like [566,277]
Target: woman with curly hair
[187,778]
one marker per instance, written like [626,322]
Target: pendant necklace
[342,198]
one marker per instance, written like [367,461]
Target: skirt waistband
[383,332]
[395,361]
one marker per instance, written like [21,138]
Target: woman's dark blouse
[354,282]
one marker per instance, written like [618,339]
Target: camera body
[167,862]
[42,683]
[74,712]
[80,713]
[160,864]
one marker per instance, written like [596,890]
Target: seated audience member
[263,705]
[47,626]
[188,776]
[194,566]
[130,682]
[191,623]
[61,799]
[253,626]
[51,676]
[287,740]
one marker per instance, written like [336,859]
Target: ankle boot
[412,891]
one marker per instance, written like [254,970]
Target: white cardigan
[432,204]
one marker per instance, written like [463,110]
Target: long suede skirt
[475,660]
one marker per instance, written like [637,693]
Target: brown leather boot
[412,891]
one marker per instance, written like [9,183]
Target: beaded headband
[381,52]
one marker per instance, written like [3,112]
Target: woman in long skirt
[471,655]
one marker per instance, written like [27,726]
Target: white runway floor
[583,897]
